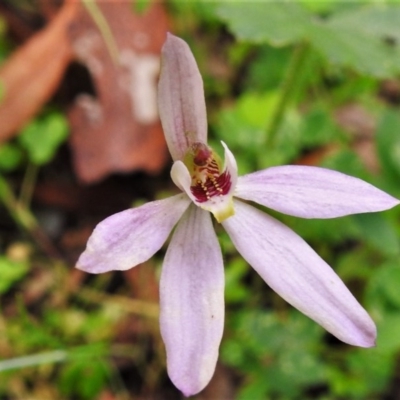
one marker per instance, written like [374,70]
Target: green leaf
[318,128]
[277,353]
[325,6]
[359,38]
[379,232]
[235,290]
[42,137]
[378,20]
[276,59]
[355,38]
[346,46]
[385,284]
[84,379]
[10,272]
[389,327]
[374,367]
[256,389]
[10,156]
[278,23]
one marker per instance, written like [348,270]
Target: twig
[104,28]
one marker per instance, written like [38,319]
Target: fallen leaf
[33,72]
[118,129]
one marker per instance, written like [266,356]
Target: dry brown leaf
[119,129]
[31,75]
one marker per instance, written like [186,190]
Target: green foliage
[11,271]
[277,360]
[236,291]
[42,137]
[84,379]
[5,46]
[355,37]
[379,231]
[388,145]
[10,156]
[273,350]
[278,23]
[140,6]
[318,128]
[244,126]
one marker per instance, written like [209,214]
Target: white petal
[299,275]
[312,192]
[180,175]
[192,302]
[181,100]
[230,166]
[131,237]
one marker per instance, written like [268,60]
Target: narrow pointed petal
[192,302]
[131,237]
[312,192]
[181,100]
[293,270]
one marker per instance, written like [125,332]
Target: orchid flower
[192,277]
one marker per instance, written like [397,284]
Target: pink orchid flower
[192,278]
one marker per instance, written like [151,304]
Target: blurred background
[300,82]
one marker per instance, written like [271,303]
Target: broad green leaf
[325,6]
[365,34]
[346,46]
[10,156]
[380,232]
[356,38]
[278,23]
[42,137]
[378,20]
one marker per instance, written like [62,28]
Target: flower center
[207,179]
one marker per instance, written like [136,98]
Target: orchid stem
[288,84]
[25,219]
